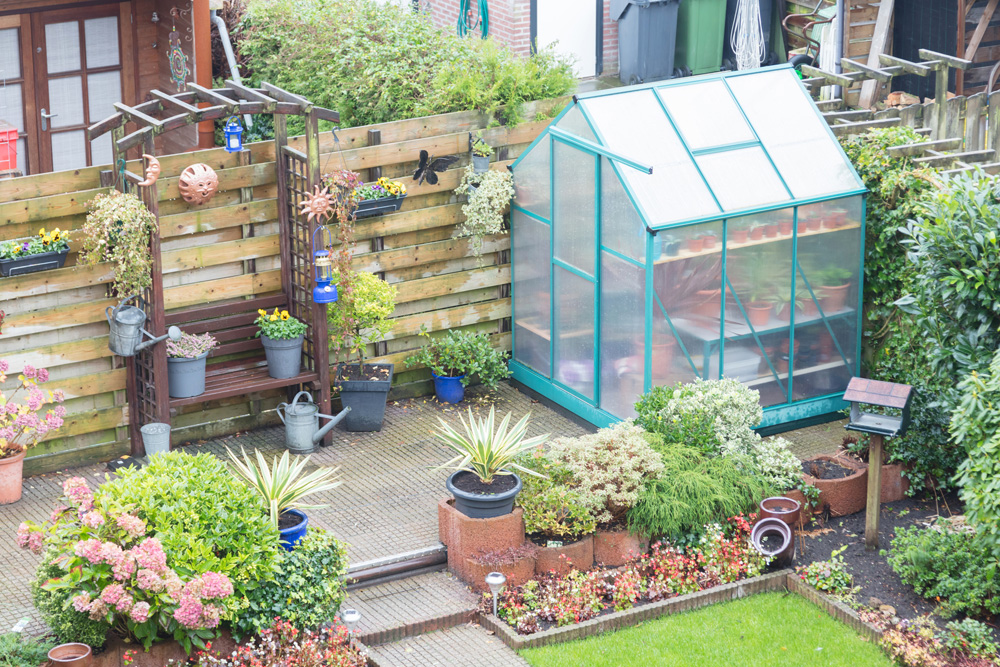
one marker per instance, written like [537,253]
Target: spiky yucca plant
[280,484]
[486,452]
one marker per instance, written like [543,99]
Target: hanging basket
[32,263]
[368,208]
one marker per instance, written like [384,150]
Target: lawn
[767,630]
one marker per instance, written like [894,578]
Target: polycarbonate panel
[66,101]
[101,39]
[623,331]
[742,178]
[12,105]
[574,122]
[574,216]
[759,271]
[62,47]
[796,138]
[22,156]
[10,54]
[103,90]
[622,230]
[687,279]
[69,150]
[100,150]
[531,266]
[531,180]
[826,333]
[635,125]
[574,330]
[706,114]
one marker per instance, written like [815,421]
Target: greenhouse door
[574,271]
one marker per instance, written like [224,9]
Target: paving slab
[462,646]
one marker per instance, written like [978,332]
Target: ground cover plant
[765,630]
[17,650]
[919,642]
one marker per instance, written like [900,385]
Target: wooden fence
[228,248]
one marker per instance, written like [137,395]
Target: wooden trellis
[238,367]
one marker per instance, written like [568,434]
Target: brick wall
[610,41]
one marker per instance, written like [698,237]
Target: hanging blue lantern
[234,135]
[324,291]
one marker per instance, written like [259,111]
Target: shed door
[574,271]
[572,24]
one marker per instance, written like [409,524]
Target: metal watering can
[126,322]
[301,421]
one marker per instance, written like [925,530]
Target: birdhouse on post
[884,395]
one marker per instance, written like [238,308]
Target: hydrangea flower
[93,519]
[133,525]
[81,602]
[149,555]
[89,549]
[140,612]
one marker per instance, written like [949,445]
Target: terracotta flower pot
[894,483]
[707,302]
[781,507]
[579,556]
[805,509]
[11,474]
[616,547]
[738,236]
[771,231]
[759,313]
[756,234]
[833,298]
[71,655]
[846,495]
[696,245]
[802,226]
[785,227]
[813,224]
[709,242]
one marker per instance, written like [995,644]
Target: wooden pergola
[236,367]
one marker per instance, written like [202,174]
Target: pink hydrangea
[81,602]
[133,525]
[174,584]
[36,541]
[210,615]
[92,519]
[98,610]
[57,513]
[124,603]
[149,555]
[140,612]
[188,613]
[23,535]
[89,549]
[112,593]
[150,581]
[215,585]
[124,567]
[111,553]
[76,489]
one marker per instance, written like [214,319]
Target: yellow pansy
[261,312]
[41,232]
[284,314]
[277,312]
[273,318]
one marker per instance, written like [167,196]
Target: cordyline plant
[22,424]
[117,231]
[281,485]
[486,452]
[190,346]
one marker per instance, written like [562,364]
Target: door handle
[45,118]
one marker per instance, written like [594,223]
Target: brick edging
[398,632]
[835,608]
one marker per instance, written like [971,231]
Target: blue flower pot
[291,536]
[449,389]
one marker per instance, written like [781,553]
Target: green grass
[766,630]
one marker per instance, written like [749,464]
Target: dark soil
[543,540]
[826,470]
[357,372]
[287,520]
[470,483]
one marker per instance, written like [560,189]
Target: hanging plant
[342,185]
[117,231]
[489,196]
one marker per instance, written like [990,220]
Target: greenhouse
[704,227]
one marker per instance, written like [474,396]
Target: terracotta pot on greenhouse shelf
[802,226]
[707,303]
[759,313]
[709,241]
[771,231]
[11,474]
[615,547]
[579,555]
[785,227]
[813,224]
[833,297]
[738,236]
[757,233]
[696,244]
[479,500]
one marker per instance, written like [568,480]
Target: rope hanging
[483,22]
[748,35]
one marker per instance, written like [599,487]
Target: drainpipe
[202,52]
[227,46]
[838,91]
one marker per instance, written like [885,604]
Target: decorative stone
[579,556]
[614,548]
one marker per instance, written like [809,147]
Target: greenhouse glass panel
[797,139]
[574,123]
[574,330]
[573,213]
[706,115]
[621,228]
[531,266]
[623,299]
[826,334]
[742,179]
[531,180]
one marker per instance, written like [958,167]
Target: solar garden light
[495,580]
[234,135]
[351,618]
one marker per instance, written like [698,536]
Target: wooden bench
[237,366]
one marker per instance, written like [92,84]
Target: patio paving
[462,646]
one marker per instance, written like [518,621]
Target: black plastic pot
[484,506]
[32,263]
[365,398]
[368,208]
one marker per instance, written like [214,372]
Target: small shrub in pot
[458,356]
[186,360]
[282,336]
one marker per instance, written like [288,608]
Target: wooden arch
[243,371]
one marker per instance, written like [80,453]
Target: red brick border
[398,632]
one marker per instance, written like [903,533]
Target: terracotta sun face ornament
[152,170]
[198,183]
[318,205]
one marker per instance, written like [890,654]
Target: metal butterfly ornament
[429,165]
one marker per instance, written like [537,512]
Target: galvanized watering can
[126,322]
[301,421]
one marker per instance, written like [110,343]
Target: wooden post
[284,222]
[873,505]
[157,306]
[941,101]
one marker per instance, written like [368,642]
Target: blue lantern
[234,135]
[324,291]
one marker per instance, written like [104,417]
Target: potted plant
[455,357]
[22,423]
[382,196]
[282,336]
[48,250]
[834,284]
[771,230]
[813,222]
[361,317]
[709,239]
[186,359]
[558,520]
[117,231]
[696,244]
[671,245]
[481,152]
[738,235]
[483,483]
[282,486]
[783,303]
[757,232]
[489,195]
[785,226]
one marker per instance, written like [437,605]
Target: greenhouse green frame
[680,229]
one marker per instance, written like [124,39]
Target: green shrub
[306,588]
[555,511]
[17,650]
[693,490]
[464,353]
[972,637]
[205,518]
[946,562]
[55,606]
[829,576]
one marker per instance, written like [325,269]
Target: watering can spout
[334,420]
[173,333]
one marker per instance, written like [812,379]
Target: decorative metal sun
[318,205]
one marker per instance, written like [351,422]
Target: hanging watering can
[301,421]
[126,322]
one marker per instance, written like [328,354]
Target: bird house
[882,394]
